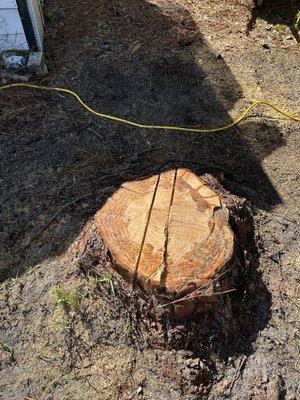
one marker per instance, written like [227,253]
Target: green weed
[297,21]
[109,282]
[14,281]
[64,327]
[93,282]
[280,27]
[66,299]
[5,347]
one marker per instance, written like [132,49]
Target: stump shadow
[138,60]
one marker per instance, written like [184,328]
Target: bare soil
[68,332]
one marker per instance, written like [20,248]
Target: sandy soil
[182,62]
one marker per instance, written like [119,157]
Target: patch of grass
[66,299]
[297,21]
[33,271]
[93,282]
[280,27]
[64,327]
[14,281]
[9,350]
[31,330]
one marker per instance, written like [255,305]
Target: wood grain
[167,232]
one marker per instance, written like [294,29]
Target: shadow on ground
[277,12]
[140,61]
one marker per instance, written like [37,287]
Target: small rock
[139,390]
[273,389]
[86,362]
[220,387]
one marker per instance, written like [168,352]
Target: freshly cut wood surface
[168,231]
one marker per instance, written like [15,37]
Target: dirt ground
[71,334]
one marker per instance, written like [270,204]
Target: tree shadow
[277,12]
[140,61]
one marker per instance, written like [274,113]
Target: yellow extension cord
[238,120]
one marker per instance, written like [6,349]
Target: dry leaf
[135,47]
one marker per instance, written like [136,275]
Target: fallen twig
[13,112]
[199,289]
[237,372]
[190,297]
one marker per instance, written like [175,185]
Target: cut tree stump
[169,237]
[167,232]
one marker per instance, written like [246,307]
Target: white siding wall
[12,36]
[36,14]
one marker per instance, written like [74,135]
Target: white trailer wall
[36,15]
[12,35]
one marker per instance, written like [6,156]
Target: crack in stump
[163,276]
[146,229]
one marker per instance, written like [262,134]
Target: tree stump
[167,232]
[169,236]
